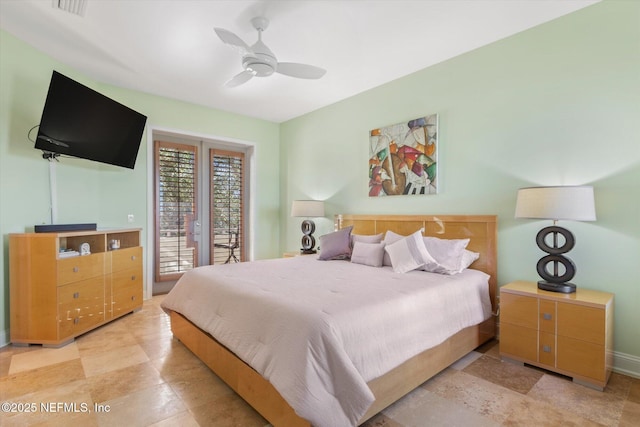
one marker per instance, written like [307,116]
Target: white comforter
[320,330]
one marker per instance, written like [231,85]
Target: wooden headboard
[480,229]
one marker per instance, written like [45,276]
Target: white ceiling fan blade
[239,79]
[301,71]
[231,39]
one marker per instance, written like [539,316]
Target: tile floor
[131,372]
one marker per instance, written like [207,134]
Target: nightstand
[291,254]
[571,334]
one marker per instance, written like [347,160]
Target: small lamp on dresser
[307,209]
[574,203]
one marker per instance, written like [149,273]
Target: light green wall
[556,105]
[91,192]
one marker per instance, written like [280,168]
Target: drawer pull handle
[133,298]
[76,321]
[133,277]
[76,269]
[546,316]
[76,294]
[133,257]
[546,348]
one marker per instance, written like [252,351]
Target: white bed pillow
[448,254]
[468,258]
[409,253]
[368,253]
[389,238]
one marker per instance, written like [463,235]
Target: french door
[200,202]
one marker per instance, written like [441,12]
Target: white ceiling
[169,48]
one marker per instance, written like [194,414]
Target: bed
[386,382]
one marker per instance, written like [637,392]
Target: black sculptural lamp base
[565,288]
[308,241]
[555,281]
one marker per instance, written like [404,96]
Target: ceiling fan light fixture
[260,69]
[77,7]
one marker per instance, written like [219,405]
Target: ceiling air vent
[76,7]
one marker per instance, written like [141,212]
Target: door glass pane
[176,207]
[226,206]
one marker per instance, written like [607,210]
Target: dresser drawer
[79,268]
[126,291]
[123,259]
[80,306]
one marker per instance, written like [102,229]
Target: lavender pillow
[336,245]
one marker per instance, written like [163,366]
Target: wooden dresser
[55,297]
[571,334]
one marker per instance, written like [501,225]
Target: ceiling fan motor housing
[261,62]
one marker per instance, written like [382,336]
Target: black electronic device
[80,122]
[61,228]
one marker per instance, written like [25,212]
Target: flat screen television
[80,122]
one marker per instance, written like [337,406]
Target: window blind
[227,206]
[176,207]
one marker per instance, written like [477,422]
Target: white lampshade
[572,203]
[307,208]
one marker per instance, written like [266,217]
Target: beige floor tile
[118,358]
[476,394]
[104,339]
[65,404]
[142,408]
[630,415]
[120,382]
[465,361]
[183,419]
[197,392]
[506,374]
[381,420]
[533,413]
[22,383]
[422,408]
[228,411]
[634,390]
[43,357]
[600,407]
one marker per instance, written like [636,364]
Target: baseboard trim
[4,338]
[626,364]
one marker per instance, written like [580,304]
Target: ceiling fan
[259,61]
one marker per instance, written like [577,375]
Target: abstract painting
[403,158]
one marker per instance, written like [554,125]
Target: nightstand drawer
[582,358]
[583,323]
[519,310]
[518,341]
[547,349]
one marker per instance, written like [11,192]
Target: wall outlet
[130,218]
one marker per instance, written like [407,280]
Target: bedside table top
[584,296]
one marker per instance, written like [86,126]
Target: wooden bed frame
[265,399]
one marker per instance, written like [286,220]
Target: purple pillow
[336,245]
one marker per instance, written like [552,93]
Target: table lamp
[307,209]
[574,203]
